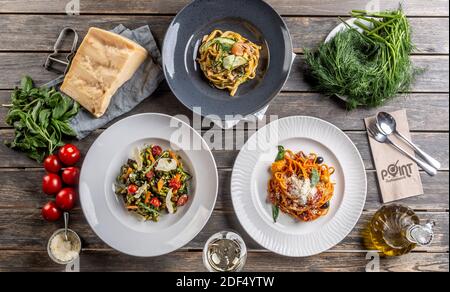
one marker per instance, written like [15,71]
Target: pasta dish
[227,59]
[153,181]
[300,185]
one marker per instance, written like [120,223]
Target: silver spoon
[382,138]
[388,126]
[66,224]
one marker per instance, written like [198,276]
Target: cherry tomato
[50,212]
[132,189]
[155,202]
[71,175]
[175,184]
[51,184]
[66,199]
[182,200]
[156,150]
[69,154]
[52,164]
[149,175]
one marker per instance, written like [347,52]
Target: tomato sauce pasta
[300,185]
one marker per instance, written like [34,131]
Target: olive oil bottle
[395,230]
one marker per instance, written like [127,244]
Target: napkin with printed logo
[398,176]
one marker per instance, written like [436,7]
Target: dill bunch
[368,67]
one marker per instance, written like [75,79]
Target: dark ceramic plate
[254,20]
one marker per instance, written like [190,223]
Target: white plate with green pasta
[148,185]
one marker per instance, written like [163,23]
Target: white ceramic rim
[93,189]
[350,208]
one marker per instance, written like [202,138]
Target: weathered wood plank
[435,79]
[105,260]
[225,156]
[284,7]
[430,35]
[24,227]
[22,189]
[426,112]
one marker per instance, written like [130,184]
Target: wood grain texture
[29,28]
[225,156]
[429,34]
[105,260]
[17,192]
[25,227]
[435,78]
[284,7]
[426,112]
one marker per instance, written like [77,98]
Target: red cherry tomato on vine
[71,175]
[50,212]
[51,184]
[69,154]
[155,202]
[66,199]
[52,164]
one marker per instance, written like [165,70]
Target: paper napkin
[398,176]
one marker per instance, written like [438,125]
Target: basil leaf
[44,116]
[19,125]
[281,153]
[40,119]
[275,213]
[61,108]
[64,128]
[26,83]
[315,177]
[72,112]
[35,112]
[53,98]
[35,155]
[14,115]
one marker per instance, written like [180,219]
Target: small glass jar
[73,238]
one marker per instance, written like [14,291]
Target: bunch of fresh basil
[40,117]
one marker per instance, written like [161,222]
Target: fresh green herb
[275,213]
[40,117]
[275,209]
[231,62]
[281,153]
[148,209]
[315,178]
[225,43]
[366,68]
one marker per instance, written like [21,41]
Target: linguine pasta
[227,59]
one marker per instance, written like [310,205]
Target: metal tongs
[59,65]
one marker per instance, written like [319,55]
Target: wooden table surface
[28,30]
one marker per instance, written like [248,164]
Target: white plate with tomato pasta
[298,186]
[142,185]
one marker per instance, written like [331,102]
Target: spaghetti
[300,185]
[228,60]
